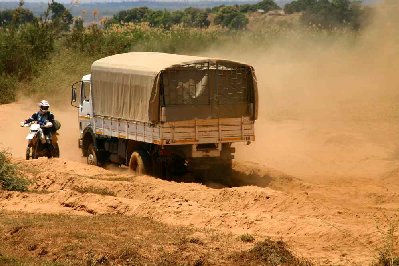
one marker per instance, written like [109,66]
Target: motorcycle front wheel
[34,152]
[56,151]
[27,155]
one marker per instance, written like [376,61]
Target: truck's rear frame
[181,132]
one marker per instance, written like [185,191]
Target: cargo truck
[165,114]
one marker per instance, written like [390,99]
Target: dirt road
[332,199]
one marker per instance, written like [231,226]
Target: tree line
[327,14]
[322,13]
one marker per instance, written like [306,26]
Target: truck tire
[140,162]
[92,158]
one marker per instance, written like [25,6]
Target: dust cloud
[328,103]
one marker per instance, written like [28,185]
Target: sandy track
[340,217]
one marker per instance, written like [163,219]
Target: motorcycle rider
[45,119]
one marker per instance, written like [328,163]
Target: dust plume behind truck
[165,114]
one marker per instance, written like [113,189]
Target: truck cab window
[85,91]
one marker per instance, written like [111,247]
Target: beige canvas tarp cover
[126,86]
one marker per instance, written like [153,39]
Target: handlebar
[48,124]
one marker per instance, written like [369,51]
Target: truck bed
[221,130]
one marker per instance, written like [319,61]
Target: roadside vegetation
[10,177]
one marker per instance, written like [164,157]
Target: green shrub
[7,89]
[23,48]
[9,176]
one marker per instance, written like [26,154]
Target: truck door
[85,106]
[81,99]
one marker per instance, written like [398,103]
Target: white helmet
[44,106]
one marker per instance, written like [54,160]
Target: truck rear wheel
[139,162]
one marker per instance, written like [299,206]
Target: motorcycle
[40,144]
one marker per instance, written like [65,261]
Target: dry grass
[32,239]
[388,255]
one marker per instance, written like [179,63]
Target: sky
[110,1]
[279,2]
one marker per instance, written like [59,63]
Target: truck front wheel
[139,162]
[92,155]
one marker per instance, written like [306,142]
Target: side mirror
[74,100]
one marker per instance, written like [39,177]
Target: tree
[16,16]
[6,17]
[194,17]
[266,5]
[230,17]
[239,22]
[22,16]
[136,15]
[60,16]
[298,6]
[328,14]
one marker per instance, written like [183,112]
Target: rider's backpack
[56,125]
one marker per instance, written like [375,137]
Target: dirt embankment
[331,222]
